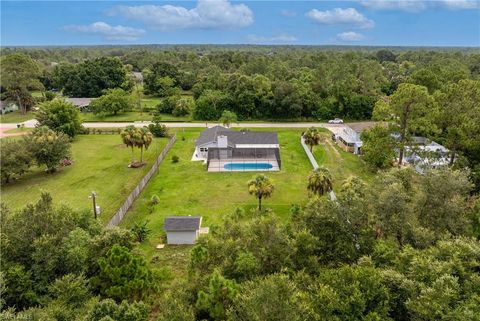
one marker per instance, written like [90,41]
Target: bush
[182,107]
[154,200]
[158,130]
[60,116]
[167,105]
[175,159]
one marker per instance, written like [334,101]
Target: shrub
[175,159]
[154,200]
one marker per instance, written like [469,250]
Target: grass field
[100,164]
[128,117]
[16,117]
[340,163]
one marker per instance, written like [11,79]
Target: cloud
[419,5]
[404,5]
[341,16]
[107,31]
[283,38]
[350,36]
[207,14]
[288,13]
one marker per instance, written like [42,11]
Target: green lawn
[19,130]
[128,117]
[100,164]
[186,188]
[340,163]
[16,117]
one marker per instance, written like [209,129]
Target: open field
[100,164]
[16,117]
[128,117]
[340,163]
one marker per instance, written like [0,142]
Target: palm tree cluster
[312,137]
[137,137]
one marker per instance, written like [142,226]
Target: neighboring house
[349,138]
[81,103]
[425,154]
[223,149]
[8,107]
[182,229]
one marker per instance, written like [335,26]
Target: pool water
[247,166]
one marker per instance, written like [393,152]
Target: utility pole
[93,197]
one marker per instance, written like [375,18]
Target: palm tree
[129,136]
[260,187]
[144,140]
[320,181]
[312,137]
[228,117]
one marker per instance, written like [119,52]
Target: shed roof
[182,223]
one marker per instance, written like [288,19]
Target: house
[138,76]
[7,107]
[182,229]
[425,154]
[349,137]
[224,150]
[81,103]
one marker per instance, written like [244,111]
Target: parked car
[335,121]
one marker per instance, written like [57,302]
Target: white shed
[182,229]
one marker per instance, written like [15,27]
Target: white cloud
[341,16]
[350,36]
[207,14]
[419,5]
[460,4]
[405,5]
[283,38]
[288,13]
[107,31]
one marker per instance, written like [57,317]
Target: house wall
[182,237]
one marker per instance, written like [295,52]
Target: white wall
[182,237]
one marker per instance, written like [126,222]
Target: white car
[336,121]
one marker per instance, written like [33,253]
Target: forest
[403,247]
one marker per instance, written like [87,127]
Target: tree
[312,137]
[15,159]
[459,119]
[91,77]
[157,128]
[48,147]
[227,118]
[378,147]
[130,137]
[320,181]
[123,276]
[261,187]
[210,105]
[141,231]
[145,138]
[412,109]
[19,73]
[60,116]
[217,298]
[182,107]
[112,102]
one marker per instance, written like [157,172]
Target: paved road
[32,123]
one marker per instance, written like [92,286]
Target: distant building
[425,154]
[138,76]
[349,138]
[81,103]
[182,229]
[7,107]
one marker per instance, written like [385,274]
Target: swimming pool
[247,166]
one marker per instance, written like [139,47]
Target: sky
[358,22]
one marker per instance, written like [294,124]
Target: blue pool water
[247,166]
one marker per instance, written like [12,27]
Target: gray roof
[209,135]
[247,137]
[79,102]
[235,137]
[182,223]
